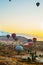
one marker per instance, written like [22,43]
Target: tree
[29,60]
[33,56]
[2,63]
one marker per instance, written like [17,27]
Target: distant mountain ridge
[2,33]
[26,36]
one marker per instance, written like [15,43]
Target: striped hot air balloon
[28,44]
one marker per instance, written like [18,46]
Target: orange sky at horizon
[22,17]
[32,33]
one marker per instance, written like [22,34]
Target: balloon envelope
[37,4]
[8,36]
[9,0]
[28,44]
[29,40]
[13,35]
[19,48]
[34,39]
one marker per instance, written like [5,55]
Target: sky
[22,17]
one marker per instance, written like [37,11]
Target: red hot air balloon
[34,39]
[28,44]
[13,35]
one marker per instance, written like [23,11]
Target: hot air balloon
[19,48]
[28,44]
[37,4]
[9,0]
[34,39]
[13,35]
[29,40]
[8,36]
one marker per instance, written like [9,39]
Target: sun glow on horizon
[22,16]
